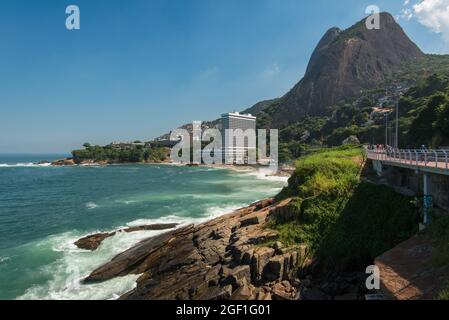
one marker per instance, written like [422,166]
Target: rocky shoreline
[234,256]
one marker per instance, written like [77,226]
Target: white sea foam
[75,264]
[208,214]
[6,165]
[3,259]
[25,165]
[266,174]
[45,164]
[89,165]
[91,205]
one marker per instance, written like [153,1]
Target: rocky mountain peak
[344,63]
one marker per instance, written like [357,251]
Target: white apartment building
[237,153]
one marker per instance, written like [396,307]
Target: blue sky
[137,68]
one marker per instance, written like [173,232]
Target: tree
[442,122]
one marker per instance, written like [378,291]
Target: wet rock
[134,258]
[92,242]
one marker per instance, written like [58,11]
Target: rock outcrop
[63,162]
[93,241]
[225,258]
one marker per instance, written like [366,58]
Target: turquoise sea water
[43,210]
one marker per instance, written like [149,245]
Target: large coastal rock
[63,162]
[93,241]
[224,258]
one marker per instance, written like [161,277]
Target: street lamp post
[396,141]
[386,129]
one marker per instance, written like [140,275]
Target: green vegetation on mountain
[121,153]
[421,89]
[345,221]
[426,108]
[419,69]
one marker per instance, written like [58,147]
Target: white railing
[416,157]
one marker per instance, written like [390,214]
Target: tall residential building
[232,149]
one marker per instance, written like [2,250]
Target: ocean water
[44,209]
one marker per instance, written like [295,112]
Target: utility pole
[386,130]
[396,141]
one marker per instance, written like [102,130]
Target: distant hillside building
[230,149]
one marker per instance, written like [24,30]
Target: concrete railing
[438,159]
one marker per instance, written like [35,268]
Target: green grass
[345,222]
[330,171]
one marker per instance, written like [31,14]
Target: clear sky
[137,69]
